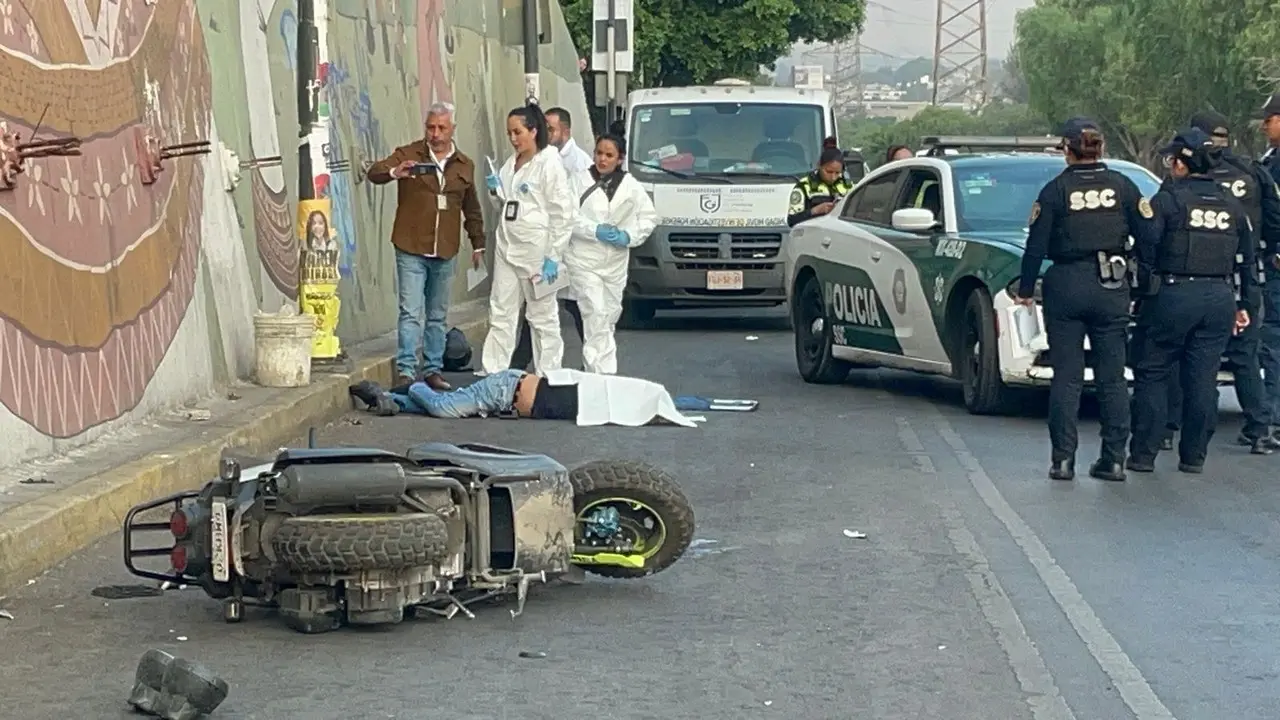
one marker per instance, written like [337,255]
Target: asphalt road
[982,591]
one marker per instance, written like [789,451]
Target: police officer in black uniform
[817,192]
[1198,268]
[1082,221]
[1249,183]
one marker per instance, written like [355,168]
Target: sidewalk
[49,509]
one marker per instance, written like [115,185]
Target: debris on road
[6,615]
[198,415]
[125,592]
[701,547]
[175,689]
[855,534]
[752,338]
[532,654]
[35,481]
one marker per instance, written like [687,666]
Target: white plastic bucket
[282,348]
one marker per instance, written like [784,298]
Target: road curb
[39,534]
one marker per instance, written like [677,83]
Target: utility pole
[960,51]
[306,87]
[859,86]
[532,80]
[612,59]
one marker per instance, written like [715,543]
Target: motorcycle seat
[486,459]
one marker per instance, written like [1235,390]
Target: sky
[905,28]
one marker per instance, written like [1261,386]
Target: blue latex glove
[550,270]
[604,232]
[492,182]
[619,238]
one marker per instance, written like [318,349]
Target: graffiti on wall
[99,266]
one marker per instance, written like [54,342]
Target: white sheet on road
[617,400]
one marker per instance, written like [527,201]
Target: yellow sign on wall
[318,276]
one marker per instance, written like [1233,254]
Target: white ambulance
[719,162]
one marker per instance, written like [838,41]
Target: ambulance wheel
[978,358]
[813,337]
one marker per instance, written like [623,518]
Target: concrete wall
[123,298]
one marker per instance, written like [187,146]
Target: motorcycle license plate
[724,279]
[221,559]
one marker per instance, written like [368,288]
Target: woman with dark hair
[615,214]
[897,152]
[318,239]
[533,232]
[816,193]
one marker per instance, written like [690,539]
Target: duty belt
[1172,279]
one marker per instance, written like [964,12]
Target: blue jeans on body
[490,395]
[423,284]
[1269,353]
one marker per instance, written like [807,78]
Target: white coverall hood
[541,198]
[597,270]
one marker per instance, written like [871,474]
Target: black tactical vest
[1243,186]
[1094,219]
[1204,238]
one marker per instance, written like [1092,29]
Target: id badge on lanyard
[511,211]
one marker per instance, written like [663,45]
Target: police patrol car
[916,268]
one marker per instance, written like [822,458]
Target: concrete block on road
[36,535]
[175,689]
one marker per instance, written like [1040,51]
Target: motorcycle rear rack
[131,526]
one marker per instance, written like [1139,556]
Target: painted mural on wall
[277,245]
[111,267]
[99,267]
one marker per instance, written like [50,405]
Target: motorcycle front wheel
[643,510]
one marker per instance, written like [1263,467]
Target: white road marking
[1033,676]
[1128,680]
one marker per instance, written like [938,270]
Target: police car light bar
[938,144]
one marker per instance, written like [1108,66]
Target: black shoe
[1191,468]
[1263,444]
[387,406]
[1141,466]
[1063,470]
[367,392]
[1166,444]
[1109,470]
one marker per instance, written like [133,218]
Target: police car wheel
[978,358]
[813,338]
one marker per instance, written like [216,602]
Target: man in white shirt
[575,161]
[560,134]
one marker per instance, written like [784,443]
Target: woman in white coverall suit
[615,215]
[534,225]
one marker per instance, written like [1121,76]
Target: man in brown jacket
[435,200]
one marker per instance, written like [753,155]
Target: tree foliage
[876,135]
[1141,68]
[685,42]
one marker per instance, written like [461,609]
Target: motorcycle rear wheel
[638,490]
[356,543]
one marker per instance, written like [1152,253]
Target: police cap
[1212,123]
[1187,143]
[1074,129]
[1269,108]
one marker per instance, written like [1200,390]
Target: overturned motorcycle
[337,536]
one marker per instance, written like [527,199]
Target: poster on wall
[318,275]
